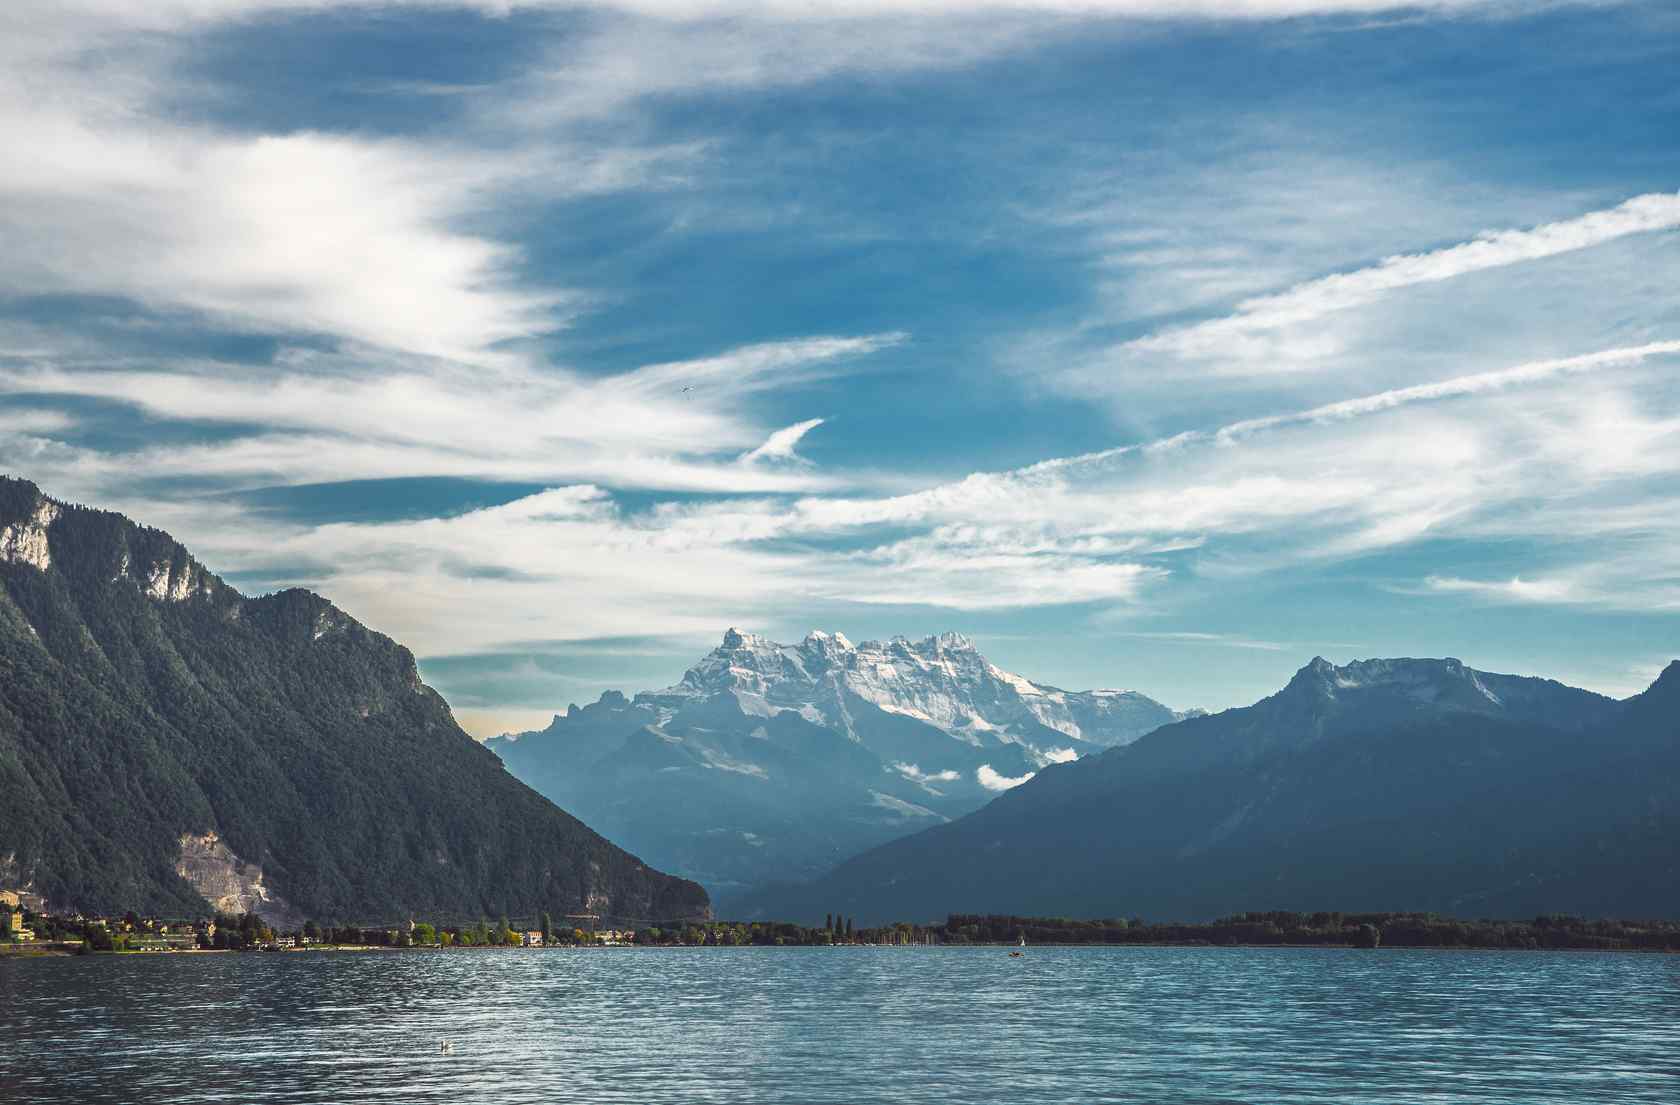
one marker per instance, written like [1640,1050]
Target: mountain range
[772,762]
[169,745]
[1378,785]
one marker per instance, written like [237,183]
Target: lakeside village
[27,927]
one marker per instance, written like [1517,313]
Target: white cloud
[779,446]
[1224,640]
[758,367]
[917,775]
[1061,756]
[178,13]
[328,419]
[904,809]
[1144,9]
[963,575]
[1515,589]
[299,233]
[621,61]
[33,422]
[1475,384]
[991,780]
[1243,341]
[925,779]
[1525,459]
[108,187]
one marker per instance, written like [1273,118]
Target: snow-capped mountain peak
[943,680]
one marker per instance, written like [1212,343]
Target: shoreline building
[15,928]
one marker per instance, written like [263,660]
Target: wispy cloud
[1223,640]
[925,779]
[334,418]
[1525,458]
[916,774]
[310,234]
[33,422]
[164,13]
[1458,386]
[759,367]
[779,446]
[1242,341]
[1515,589]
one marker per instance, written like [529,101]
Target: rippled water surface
[844,1025]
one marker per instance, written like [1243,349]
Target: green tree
[424,933]
[547,927]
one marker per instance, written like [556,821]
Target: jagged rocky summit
[169,745]
[771,762]
[941,680]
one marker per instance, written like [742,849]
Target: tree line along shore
[1275,928]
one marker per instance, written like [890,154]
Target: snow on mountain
[771,762]
[942,680]
[1385,784]
[1417,686]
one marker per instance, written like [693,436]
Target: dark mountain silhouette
[1381,785]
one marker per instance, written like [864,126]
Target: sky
[1153,345]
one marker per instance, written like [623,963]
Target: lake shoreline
[62,952]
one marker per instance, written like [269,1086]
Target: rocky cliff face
[230,884]
[165,741]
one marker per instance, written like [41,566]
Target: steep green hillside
[144,704]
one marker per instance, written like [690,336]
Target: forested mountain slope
[164,738]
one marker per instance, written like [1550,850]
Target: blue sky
[1153,345]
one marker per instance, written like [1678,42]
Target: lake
[851,1025]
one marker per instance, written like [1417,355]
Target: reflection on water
[844,1025]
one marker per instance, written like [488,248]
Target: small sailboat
[1018,953]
